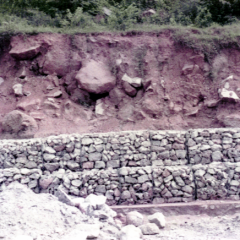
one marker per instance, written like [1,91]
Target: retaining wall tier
[129,167]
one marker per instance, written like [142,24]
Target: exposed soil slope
[113,82]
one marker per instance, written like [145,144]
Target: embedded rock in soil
[25,52]
[229,95]
[95,78]
[129,90]
[231,120]
[19,124]
[135,82]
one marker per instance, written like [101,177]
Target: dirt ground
[204,227]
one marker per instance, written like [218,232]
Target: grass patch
[206,40]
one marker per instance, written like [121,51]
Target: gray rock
[45,182]
[134,218]
[100,189]
[87,141]
[48,157]
[181,153]
[95,157]
[63,197]
[188,189]
[199,173]
[96,78]
[130,180]
[31,165]
[18,89]
[164,155]
[51,166]
[157,218]
[113,164]
[149,229]
[217,156]
[76,183]
[99,164]
[125,195]
[72,165]
[33,184]
[135,82]
[143,179]
[49,150]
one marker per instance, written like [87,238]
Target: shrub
[123,17]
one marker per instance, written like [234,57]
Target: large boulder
[19,124]
[95,78]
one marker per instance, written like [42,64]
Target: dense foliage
[119,14]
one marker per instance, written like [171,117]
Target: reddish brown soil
[177,91]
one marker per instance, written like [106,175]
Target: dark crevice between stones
[186,147]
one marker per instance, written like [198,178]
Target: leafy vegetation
[204,25]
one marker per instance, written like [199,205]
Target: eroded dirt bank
[52,84]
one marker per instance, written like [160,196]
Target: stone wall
[129,167]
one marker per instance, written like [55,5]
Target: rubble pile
[29,216]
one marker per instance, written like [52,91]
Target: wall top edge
[118,134]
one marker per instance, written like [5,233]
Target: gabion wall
[129,167]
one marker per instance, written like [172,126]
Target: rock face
[109,83]
[19,124]
[95,78]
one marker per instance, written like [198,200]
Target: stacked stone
[215,145]
[133,148]
[21,154]
[173,184]
[136,185]
[211,180]
[168,148]
[25,176]
[233,180]
[62,152]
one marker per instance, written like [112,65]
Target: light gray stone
[87,141]
[217,156]
[125,195]
[149,229]
[51,166]
[113,164]
[100,164]
[181,153]
[134,218]
[100,189]
[157,218]
[95,157]
[48,157]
